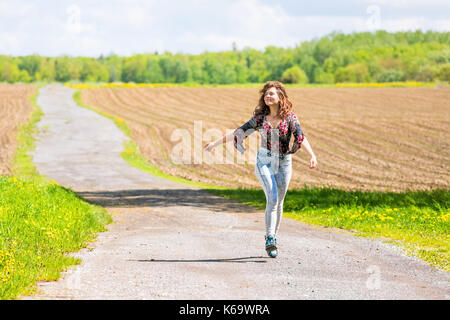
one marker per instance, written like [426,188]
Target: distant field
[364,138]
[399,84]
[15,109]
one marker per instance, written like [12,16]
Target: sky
[126,27]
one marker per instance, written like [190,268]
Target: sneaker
[273,253]
[271,246]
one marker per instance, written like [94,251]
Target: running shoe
[271,246]
[273,253]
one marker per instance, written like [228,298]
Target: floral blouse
[288,126]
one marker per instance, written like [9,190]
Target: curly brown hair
[285,104]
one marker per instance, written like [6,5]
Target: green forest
[335,58]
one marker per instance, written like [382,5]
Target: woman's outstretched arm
[237,135]
[211,145]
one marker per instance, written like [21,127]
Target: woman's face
[271,97]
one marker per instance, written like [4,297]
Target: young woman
[276,122]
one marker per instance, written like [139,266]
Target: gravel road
[172,241]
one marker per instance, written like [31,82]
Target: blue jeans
[274,173]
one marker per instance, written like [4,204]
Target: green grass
[418,221]
[40,221]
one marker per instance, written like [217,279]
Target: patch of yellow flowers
[384,84]
[127,85]
[381,216]
[29,186]
[157,85]
[9,265]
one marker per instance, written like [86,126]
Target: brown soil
[364,138]
[15,110]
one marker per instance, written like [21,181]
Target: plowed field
[364,138]
[15,109]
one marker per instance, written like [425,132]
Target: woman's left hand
[313,162]
[209,146]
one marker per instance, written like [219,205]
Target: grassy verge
[418,221]
[40,221]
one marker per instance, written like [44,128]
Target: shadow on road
[163,198]
[234,260]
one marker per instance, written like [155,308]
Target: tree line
[358,57]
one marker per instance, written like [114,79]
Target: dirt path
[170,241]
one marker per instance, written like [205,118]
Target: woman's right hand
[209,146]
[313,162]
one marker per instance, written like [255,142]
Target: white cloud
[414,23]
[136,16]
[9,43]
[253,24]
[78,45]
[442,24]
[398,3]
[16,8]
[253,16]
[405,24]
